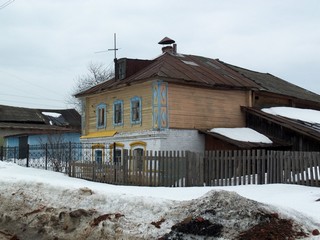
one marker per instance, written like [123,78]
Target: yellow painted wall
[201,108]
[188,107]
[126,93]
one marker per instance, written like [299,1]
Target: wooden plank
[244,167]
[201,169]
[249,164]
[287,166]
[212,163]
[176,166]
[254,166]
[191,118]
[155,168]
[297,169]
[268,169]
[258,167]
[170,170]
[220,179]
[315,158]
[183,168]
[235,166]
[280,167]
[229,168]
[143,90]
[303,180]
[161,162]
[225,168]
[311,167]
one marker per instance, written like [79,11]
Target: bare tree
[96,74]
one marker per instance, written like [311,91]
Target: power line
[31,83]
[6,4]
[4,102]
[39,98]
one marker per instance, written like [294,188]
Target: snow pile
[242,134]
[307,115]
[39,204]
[52,114]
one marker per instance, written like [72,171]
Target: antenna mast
[115,49]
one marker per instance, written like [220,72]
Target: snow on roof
[52,114]
[190,63]
[306,115]
[242,134]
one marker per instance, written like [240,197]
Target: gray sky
[46,45]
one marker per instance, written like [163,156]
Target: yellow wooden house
[161,104]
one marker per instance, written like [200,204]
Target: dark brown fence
[216,168]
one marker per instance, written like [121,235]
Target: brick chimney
[169,45]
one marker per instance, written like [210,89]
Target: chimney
[169,45]
[168,49]
[116,69]
[174,46]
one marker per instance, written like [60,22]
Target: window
[135,110]
[118,112]
[122,69]
[98,156]
[117,156]
[116,151]
[101,115]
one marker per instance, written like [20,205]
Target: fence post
[68,160]
[1,153]
[188,162]
[27,155]
[46,163]
[125,166]
[14,154]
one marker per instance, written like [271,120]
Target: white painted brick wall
[168,140]
[183,140]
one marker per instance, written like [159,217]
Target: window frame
[132,100]
[100,107]
[116,102]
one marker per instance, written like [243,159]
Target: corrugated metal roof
[15,116]
[295,125]
[184,69]
[273,84]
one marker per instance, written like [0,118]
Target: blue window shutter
[135,109]
[118,112]
[160,105]
[101,120]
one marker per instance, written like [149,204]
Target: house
[170,102]
[22,126]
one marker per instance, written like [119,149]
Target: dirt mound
[229,216]
[273,227]
[218,214]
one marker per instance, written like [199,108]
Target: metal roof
[304,128]
[18,116]
[273,84]
[183,69]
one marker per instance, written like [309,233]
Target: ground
[38,204]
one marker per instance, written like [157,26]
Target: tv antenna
[115,49]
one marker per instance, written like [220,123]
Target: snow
[307,115]
[250,135]
[242,134]
[148,203]
[52,114]
[191,63]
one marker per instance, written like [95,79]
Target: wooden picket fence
[214,168]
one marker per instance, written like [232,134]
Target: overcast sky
[46,45]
